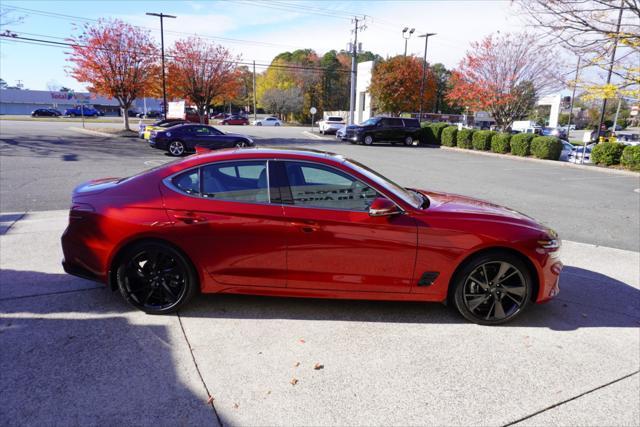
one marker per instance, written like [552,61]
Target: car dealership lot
[74,349]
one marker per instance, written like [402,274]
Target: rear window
[411,123]
[188,182]
[334,119]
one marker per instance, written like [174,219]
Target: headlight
[549,244]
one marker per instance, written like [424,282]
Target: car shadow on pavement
[587,300]
[84,358]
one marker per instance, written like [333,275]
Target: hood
[470,207]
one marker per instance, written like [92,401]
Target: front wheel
[493,288]
[155,278]
[240,144]
[258,124]
[277,124]
[176,148]
[368,140]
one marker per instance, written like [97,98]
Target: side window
[201,131]
[324,187]
[188,182]
[236,181]
[396,122]
[387,122]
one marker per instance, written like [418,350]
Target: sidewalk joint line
[22,215]
[184,334]
[51,293]
[570,399]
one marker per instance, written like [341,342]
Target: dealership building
[19,102]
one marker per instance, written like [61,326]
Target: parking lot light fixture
[164,83]
[406,35]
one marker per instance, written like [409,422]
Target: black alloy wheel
[155,278]
[493,289]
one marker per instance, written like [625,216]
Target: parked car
[46,112]
[80,111]
[151,114]
[306,224]
[100,112]
[557,132]
[235,120]
[144,130]
[384,129]
[567,149]
[178,140]
[267,121]
[331,124]
[219,116]
[581,154]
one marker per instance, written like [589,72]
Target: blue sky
[255,30]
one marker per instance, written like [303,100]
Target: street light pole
[406,39]
[164,83]
[424,70]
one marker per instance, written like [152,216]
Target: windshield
[369,122]
[413,198]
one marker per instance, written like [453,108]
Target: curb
[541,161]
[92,132]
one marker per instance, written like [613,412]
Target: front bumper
[161,145]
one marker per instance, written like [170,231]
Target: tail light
[80,210]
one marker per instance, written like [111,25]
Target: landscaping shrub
[607,153]
[464,137]
[521,144]
[426,134]
[500,143]
[437,131]
[546,147]
[482,140]
[449,136]
[631,157]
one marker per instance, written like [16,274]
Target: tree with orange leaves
[504,75]
[203,73]
[116,59]
[395,85]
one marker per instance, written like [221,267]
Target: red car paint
[286,250]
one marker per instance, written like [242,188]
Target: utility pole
[424,70]
[573,96]
[613,58]
[354,68]
[255,117]
[406,38]
[164,83]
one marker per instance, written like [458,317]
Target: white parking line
[156,162]
[306,132]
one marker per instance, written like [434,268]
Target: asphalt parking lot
[71,352]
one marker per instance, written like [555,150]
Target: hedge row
[449,136]
[431,133]
[500,143]
[631,157]
[607,153]
[481,139]
[546,147]
[521,144]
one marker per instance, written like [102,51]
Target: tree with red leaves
[504,75]
[396,83]
[117,60]
[203,73]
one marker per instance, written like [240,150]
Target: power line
[42,42]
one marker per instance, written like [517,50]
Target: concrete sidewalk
[72,352]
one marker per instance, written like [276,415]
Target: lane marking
[156,162]
[306,132]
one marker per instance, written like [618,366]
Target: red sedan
[303,224]
[235,120]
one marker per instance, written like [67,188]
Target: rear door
[224,218]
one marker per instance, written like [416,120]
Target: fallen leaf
[294,381]
[296,364]
[210,400]
[318,366]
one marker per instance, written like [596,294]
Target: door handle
[307,226]
[190,218]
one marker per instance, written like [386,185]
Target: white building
[363,97]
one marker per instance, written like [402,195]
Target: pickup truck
[81,111]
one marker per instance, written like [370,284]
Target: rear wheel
[368,140]
[493,288]
[241,144]
[258,124]
[176,148]
[277,124]
[410,142]
[155,278]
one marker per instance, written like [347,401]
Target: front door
[333,243]
[223,216]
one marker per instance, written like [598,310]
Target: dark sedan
[46,112]
[182,139]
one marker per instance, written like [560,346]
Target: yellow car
[144,130]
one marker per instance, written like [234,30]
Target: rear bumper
[80,271]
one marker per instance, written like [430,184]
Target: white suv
[331,124]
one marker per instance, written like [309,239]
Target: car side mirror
[383,207]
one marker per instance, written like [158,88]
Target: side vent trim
[428,277]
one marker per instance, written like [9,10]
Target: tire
[482,299]
[258,124]
[72,115]
[155,278]
[240,144]
[368,140]
[321,132]
[277,124]
[410,142]
[176,148]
